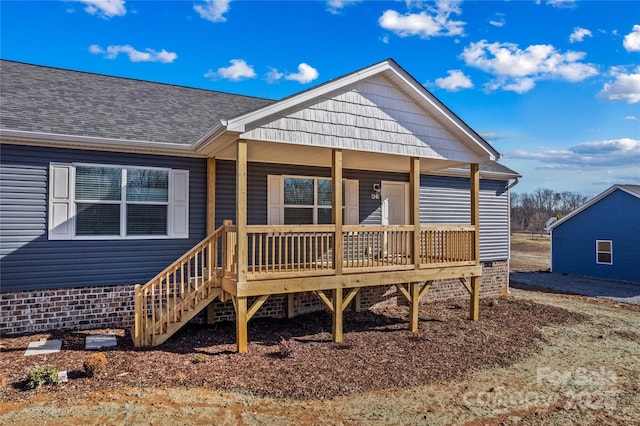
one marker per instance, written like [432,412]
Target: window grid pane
[147,185]
[143,219]
[97,219]
[298,216]
[298,191]
[98,183]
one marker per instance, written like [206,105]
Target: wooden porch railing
[177,293]
[283,251]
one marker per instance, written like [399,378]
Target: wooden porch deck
[302,258]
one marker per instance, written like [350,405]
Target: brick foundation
[112,306]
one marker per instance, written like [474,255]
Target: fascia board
[457,172]
[442,109]
[586,205]
[94,143]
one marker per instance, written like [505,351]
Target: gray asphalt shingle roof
[42,99]
[50,100]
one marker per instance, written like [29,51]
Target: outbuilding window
[604,252]
[91,201]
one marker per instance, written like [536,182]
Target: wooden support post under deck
[211,313]
[241,324]
[414,306]
[137,317]
[337,315]
[474,308]
[336,209]
[290,305]
[475,221]
[211,195]
[415,209]
[357,302]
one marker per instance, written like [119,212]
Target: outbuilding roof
[633,190]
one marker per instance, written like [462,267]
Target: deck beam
[297,285]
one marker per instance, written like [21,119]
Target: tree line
[531,210]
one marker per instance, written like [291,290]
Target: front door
[395,211]
[395,206]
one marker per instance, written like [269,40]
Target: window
[298,200]
[604,252]
[89,201]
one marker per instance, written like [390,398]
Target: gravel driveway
[619,291]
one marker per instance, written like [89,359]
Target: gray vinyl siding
[443,200]
[28,260]
[446,200]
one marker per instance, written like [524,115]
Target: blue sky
[554,85]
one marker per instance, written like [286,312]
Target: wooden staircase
[173,297]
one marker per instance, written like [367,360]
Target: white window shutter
[351,200]
[275,200]
[60,206]
[179,204]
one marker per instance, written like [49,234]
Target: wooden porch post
[336,208]
[415,209]
[242,255]
[211,218]
[338,243]
[414,205]
[211,195]
[475,221]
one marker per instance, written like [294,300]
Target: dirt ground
[529,252]
[533,358]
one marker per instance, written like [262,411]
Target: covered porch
[336,260]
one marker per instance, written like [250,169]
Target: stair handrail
[208,267]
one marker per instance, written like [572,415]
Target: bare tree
[530,211]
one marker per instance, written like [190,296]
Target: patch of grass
[42,376]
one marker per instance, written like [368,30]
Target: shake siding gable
[29,260]
[372,116]
[615,218]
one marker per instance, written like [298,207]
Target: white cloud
[238,70]
[498,21]
[213,10]
[104,8]
[578,35]
[631,41]
[336,6]
[607,153]
[455,81]
[561,3]
[148,55]
[306,74]
[517,69]
[435,21]
[631,118]
[624,87]
[273,75]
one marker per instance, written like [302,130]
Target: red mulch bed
[378,352]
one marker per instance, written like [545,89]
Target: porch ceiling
[279,153]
